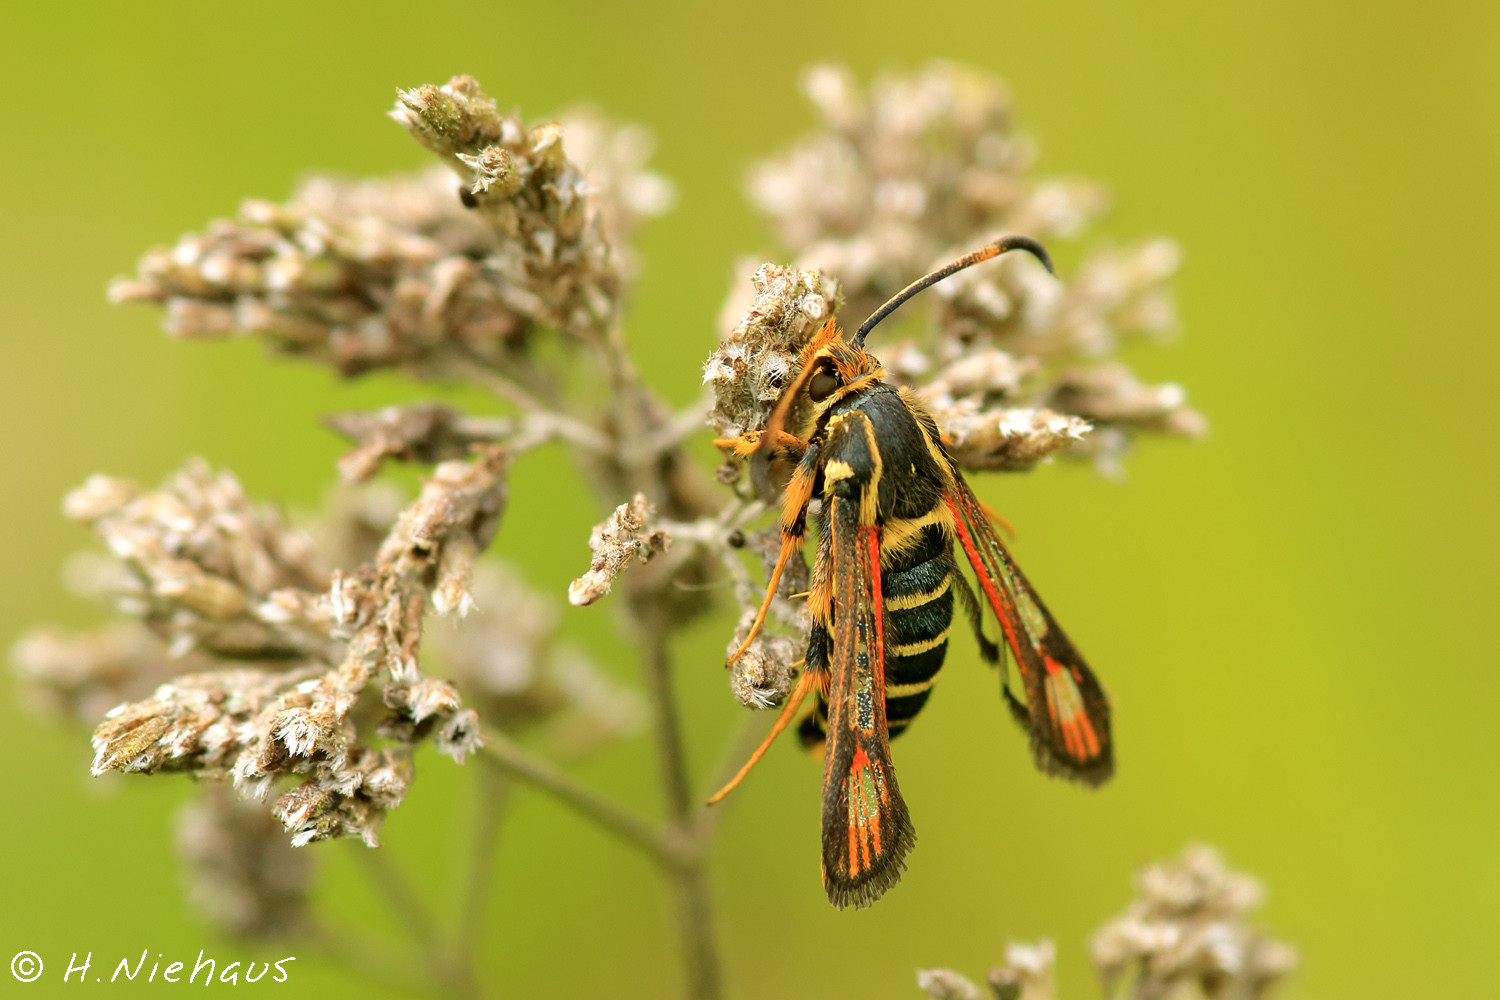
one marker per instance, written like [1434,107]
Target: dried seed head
[1189,929]
[207,568]
[945,984]
[260,726]
[1007,440]
[628,535]
[241,873]
[758,358]
[400,273]
[902,177]
[199,723]
[457,117]
[1026,974]
[762,676]
[373,782]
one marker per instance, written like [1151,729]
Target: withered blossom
[1185,938]
[256,725]
[945,984]
[205,568]
[763,675]
[905,175]
[356,274]
[200,723]
[242,875]
[1026,975]
[627,536]
[758,357]
[1188,934]
[406,273]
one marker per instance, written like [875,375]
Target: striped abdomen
[917,610]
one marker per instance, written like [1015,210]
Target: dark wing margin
[866,829]
[1066,709]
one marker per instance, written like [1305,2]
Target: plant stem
[367,960]
[492,793]
[666,851]
[689,879]
[407,906]
[401,898]
[574,431]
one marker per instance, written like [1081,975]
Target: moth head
[830,369]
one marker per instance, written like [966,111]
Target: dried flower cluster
[1185,937]
[403,272]
[315,652]
[290,665]
[903,177]
[1026,975]
[242,874]
[1188,931]
[627,535]
[204,567]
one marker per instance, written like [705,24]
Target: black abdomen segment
[917,601]
[917,594]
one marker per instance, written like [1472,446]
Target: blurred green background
[1293,617]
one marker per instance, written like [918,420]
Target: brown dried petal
[242,875]
[1005,439]
[627,535]
[197,722]
[758,358]
[945,984]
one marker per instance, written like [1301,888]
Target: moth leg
[794,700]
[793,526]
[747,443]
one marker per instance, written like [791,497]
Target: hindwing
[1066,709]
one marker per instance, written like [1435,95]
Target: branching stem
[690,879]
[665,850]
[568,428]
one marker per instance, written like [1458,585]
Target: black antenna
[984,253]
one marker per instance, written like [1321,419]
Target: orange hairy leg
[794,699]
[789,544]
[748,443]
[793,523]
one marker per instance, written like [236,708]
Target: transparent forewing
[1067,711]
[866,829]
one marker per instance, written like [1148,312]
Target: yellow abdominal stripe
[922,646]
[906,690]
[908,601]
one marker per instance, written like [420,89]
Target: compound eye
[822,385]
